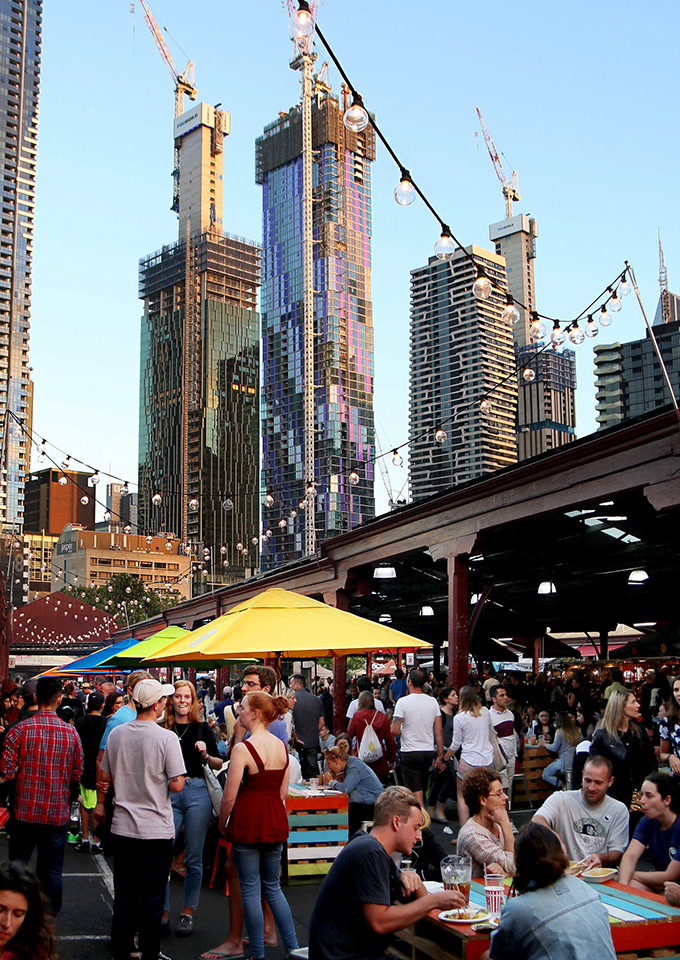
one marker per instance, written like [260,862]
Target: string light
[445,247]
[624,286]
[125,490]
[283,523]
[94,479]
[301,22]
[604,318]
[440,435]
[66,463]
[557,336]
[157,499]
[397,459]
[356,115]
[353,478]
[614,301]
[84,501]
[227,505]
[481,288]
[537,329]
[486,406]
[576,335]
[510,312]
[404,192]
[529,375]
[268,500]
[63,481]
[591,327]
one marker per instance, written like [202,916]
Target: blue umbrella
[94,660]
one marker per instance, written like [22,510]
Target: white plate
[445,915]
[600,878]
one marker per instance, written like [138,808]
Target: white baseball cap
[147,692]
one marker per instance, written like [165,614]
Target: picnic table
[641,923]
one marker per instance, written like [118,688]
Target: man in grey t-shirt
[308,719]
[591,824]
[145,765]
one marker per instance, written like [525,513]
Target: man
[490,682]
[590,824]
[90,729]
[70,699]
[308,719]
[398,686]
[43,754]
[363,683]
[504,724]
[256,677]
[355,911]
[418,720]
[144,763]
[226,701]
[617,683]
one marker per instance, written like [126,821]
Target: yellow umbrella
[280,623]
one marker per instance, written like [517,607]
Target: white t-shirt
[583,828]
[354,706]
[418,712]
[473,735]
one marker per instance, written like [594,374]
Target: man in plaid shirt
[43,755]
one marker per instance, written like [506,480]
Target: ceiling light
[546,587]
[637,577]
[426,612]
[384,571]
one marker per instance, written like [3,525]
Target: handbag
[500,761]
[214,788]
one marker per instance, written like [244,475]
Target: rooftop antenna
[663,284]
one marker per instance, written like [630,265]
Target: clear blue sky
[582,98]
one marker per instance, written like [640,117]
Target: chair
[520,777]
[225,845]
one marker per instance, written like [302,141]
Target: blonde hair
[340,751]
[469,702]
[613,715]
[168,720]
[396,802]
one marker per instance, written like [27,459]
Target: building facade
[343,363]
[51,504]
[460,350]
[199,373]
[628,377]
[20,29]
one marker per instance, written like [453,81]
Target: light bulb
[268,534]
[356,116]
[205,573]
[576,335]
[127,528]
[604,318]
[84,501]
[615,302]
[94,479]
[125,490]
[591,328]
[157,499]
[225,563]
[239,546]
[66,463]
[486,406]
[63,481]
[107,515]
[149,539]
[529,375]
[293,513]
[537,330]
[268,500]
[227,505]
[302,505]
[353,478]
[404,192]
[168,545]
[397,459]
[41,456]
[110,589]
[128,590]
[557,337]
[301,23]
[440,435]
[254,541]
[510,314]
[481,288]
[624,287]
[193,505]
[283,523]
[223,550]
[445,248]
[245,551]
[311,489]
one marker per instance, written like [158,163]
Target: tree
[126,598]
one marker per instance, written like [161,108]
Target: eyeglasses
[251,683]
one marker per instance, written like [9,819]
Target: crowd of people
[157,766]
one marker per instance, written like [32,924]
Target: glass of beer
[457,874]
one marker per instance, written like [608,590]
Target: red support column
[340,600]
[537,654]
[458,621]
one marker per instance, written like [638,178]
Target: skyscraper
[343,367]
[546,408]
[199,374]
[21,24]
[460,349]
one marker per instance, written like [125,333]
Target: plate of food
[598,874]
[464,915]
[575,868]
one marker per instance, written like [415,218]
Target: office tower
[19,87]
[341,413]
[628,377]
[199,374]
[546,407]
[460,350]
[50,505]
[123,507]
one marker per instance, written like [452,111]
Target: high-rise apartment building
[51,504]
[20,30]
[199,374]
[460,350]
[628,377]
[343,366]
[546,408]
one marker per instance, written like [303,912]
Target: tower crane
[184,84]
[510,191]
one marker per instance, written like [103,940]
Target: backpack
[370,748]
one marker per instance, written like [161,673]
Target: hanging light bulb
[486,406]
[110,588]
[254,541]
[293,513]
[157,499]
[268,534]
[223,550]
[557,337]
[66,463]
[268,500]
[84,501]
[591,328]
[614,301]
[604,318]
[624,286]
[94,479]
[107,515]
[127,528]
[239,546]
[311,489]
[529,375]
[404,192]
[576,335]
[193,505]
[205,573]
[353,478]
[168,545]
[245,551]
[510,312]
[283,523]
[227,505]
[302,505]
[481,288]
[440,435]
[301,23]
[356,115]
[63,481]
[537,329]
[225,563]
[125,490]
[128,590]
[41,455]
[397,459]
[149,539]
[445,248]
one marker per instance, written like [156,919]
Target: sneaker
[83,846]
[185,925]
[162,956]
[73,838]
[96,848]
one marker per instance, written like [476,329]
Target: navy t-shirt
[664,845]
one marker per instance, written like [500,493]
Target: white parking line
[97,874]
[86,936]
[106,874]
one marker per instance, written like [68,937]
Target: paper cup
[494,901]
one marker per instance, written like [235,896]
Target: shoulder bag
[500,761]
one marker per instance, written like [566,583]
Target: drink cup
[494,891]
[457,874]
[314,784]
[533,740]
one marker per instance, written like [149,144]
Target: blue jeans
[25,837]
[549,774]
[260,862]
[192,809]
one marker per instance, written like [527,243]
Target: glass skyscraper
[344,438]
[20,33]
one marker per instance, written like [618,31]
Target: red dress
[259,814]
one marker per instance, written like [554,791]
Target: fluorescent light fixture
[637,577]
[593,522]
[614,532]
[384,618]
[426,612]
[384,571]
[475,598]
[607,503]
[546,587]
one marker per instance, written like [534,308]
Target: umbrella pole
[339,694]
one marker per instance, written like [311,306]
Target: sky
[581,98]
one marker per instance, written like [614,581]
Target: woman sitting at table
[543,726]
[658,832]
[567,735]
[358,781]
[487,836]
[550,915]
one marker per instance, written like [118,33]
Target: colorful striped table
[318,832]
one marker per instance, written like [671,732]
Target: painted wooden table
[318,832]
[640,923]
[536,759]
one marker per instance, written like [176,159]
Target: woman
[25,921]
[487,837]
[625,743]
[359,782]
[366,713]
[669,730]
[567,736]
[543,726]
[112,704]
[658,832]
[254,804]
[549,914]
[191,808]
[444,782]
[471,734]
[586,721]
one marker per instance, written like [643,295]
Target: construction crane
[663,284]
[510,191]
[184,84]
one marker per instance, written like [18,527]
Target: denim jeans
[551,771]
[192,809]
[25,837]
[140,877]
[260,862]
